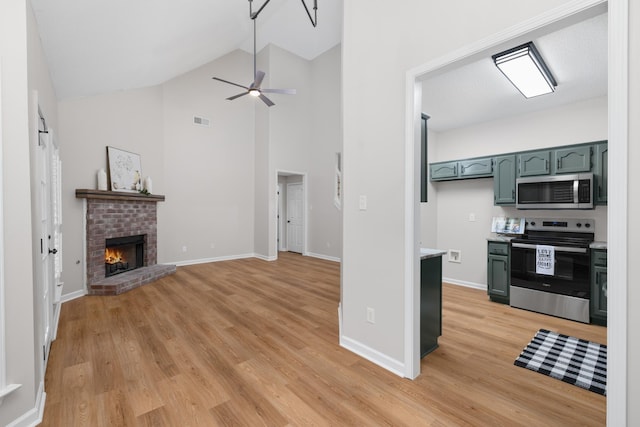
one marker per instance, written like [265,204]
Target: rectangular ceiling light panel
[526,70]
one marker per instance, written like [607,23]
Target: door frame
[618,34]
[305,213]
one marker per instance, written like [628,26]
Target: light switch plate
[363,203]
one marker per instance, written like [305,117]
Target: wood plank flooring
[255,343]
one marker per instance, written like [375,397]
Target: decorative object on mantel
[102,180]
[125,172]
[148,185]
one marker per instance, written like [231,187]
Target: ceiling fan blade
[282,91]
[267,100]
[231,98]
[258,81]
[231,83]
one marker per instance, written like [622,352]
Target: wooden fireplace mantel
[117,195]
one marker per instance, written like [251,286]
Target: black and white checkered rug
[572,360]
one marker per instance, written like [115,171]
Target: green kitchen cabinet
[430,303]
[498,272]
[443,171]
[600,173]
[534,163]
[572,160]
[598,308]
[476,168]
[504,180]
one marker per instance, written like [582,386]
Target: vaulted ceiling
[103,46]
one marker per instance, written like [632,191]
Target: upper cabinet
[462,169]
[587,157]
[476,168]
[600,173]
[572,160]
[534,163]
[504,180]
[443,171]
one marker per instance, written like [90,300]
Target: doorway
[291,217]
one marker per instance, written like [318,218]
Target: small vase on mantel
[102,180]
[148,184]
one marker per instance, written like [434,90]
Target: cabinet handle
[599,191]
[513,194]
[505,266]
[558,163]
[455,170]
[462,169]
[546,164]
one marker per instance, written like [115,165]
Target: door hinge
[41,247]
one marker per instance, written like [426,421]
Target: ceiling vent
[201,121]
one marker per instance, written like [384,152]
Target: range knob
[533,223]
[587,225]
[579,225]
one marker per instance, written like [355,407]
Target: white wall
[404,37]
[585,121]
[24,70]
[129,120]
[633,255]
[208,171]
[325,235]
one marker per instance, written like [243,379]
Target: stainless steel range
[550,267]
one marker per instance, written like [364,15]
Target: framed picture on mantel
[125,172]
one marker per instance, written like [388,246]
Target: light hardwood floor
[255,343]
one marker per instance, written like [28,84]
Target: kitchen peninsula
[430,299]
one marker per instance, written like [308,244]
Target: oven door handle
[555,248]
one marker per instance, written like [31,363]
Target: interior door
[295,218]
[45,267]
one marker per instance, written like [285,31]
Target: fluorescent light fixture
[526,70]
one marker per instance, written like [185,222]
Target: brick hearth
[112,214]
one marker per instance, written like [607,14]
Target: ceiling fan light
[526,70]
[254,92]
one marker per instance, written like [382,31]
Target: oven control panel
[564,224]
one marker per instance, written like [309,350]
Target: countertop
[431,253]
[598,245]
[500,238]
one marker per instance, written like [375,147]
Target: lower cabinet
[430,304]
[598,309]
[498,272]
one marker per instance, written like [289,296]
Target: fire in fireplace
[123,254]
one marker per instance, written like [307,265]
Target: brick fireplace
[117,215]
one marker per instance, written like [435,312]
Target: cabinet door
[536,163]
[476,167]
[572,160]
[498,276]
[599,292]
[443,171]
[504,180]
[601,173]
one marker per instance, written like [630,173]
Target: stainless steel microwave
[555,192]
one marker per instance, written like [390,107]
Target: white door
[50,236]
[45,266]
[282,243]
[295,218]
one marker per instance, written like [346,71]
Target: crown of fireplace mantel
[117,195]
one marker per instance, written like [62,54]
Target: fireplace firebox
[123,254]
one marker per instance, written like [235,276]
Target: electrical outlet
[371,315]
[213,246]
[362,202]
[184,249]
[472,217]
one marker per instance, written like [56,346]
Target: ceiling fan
[255,88]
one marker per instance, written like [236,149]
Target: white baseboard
[72,295]
[324,257]
[265,258]
[33,417]
[208,260]
[372,355]
[473,285]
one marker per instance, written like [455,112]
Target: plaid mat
[572,360]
